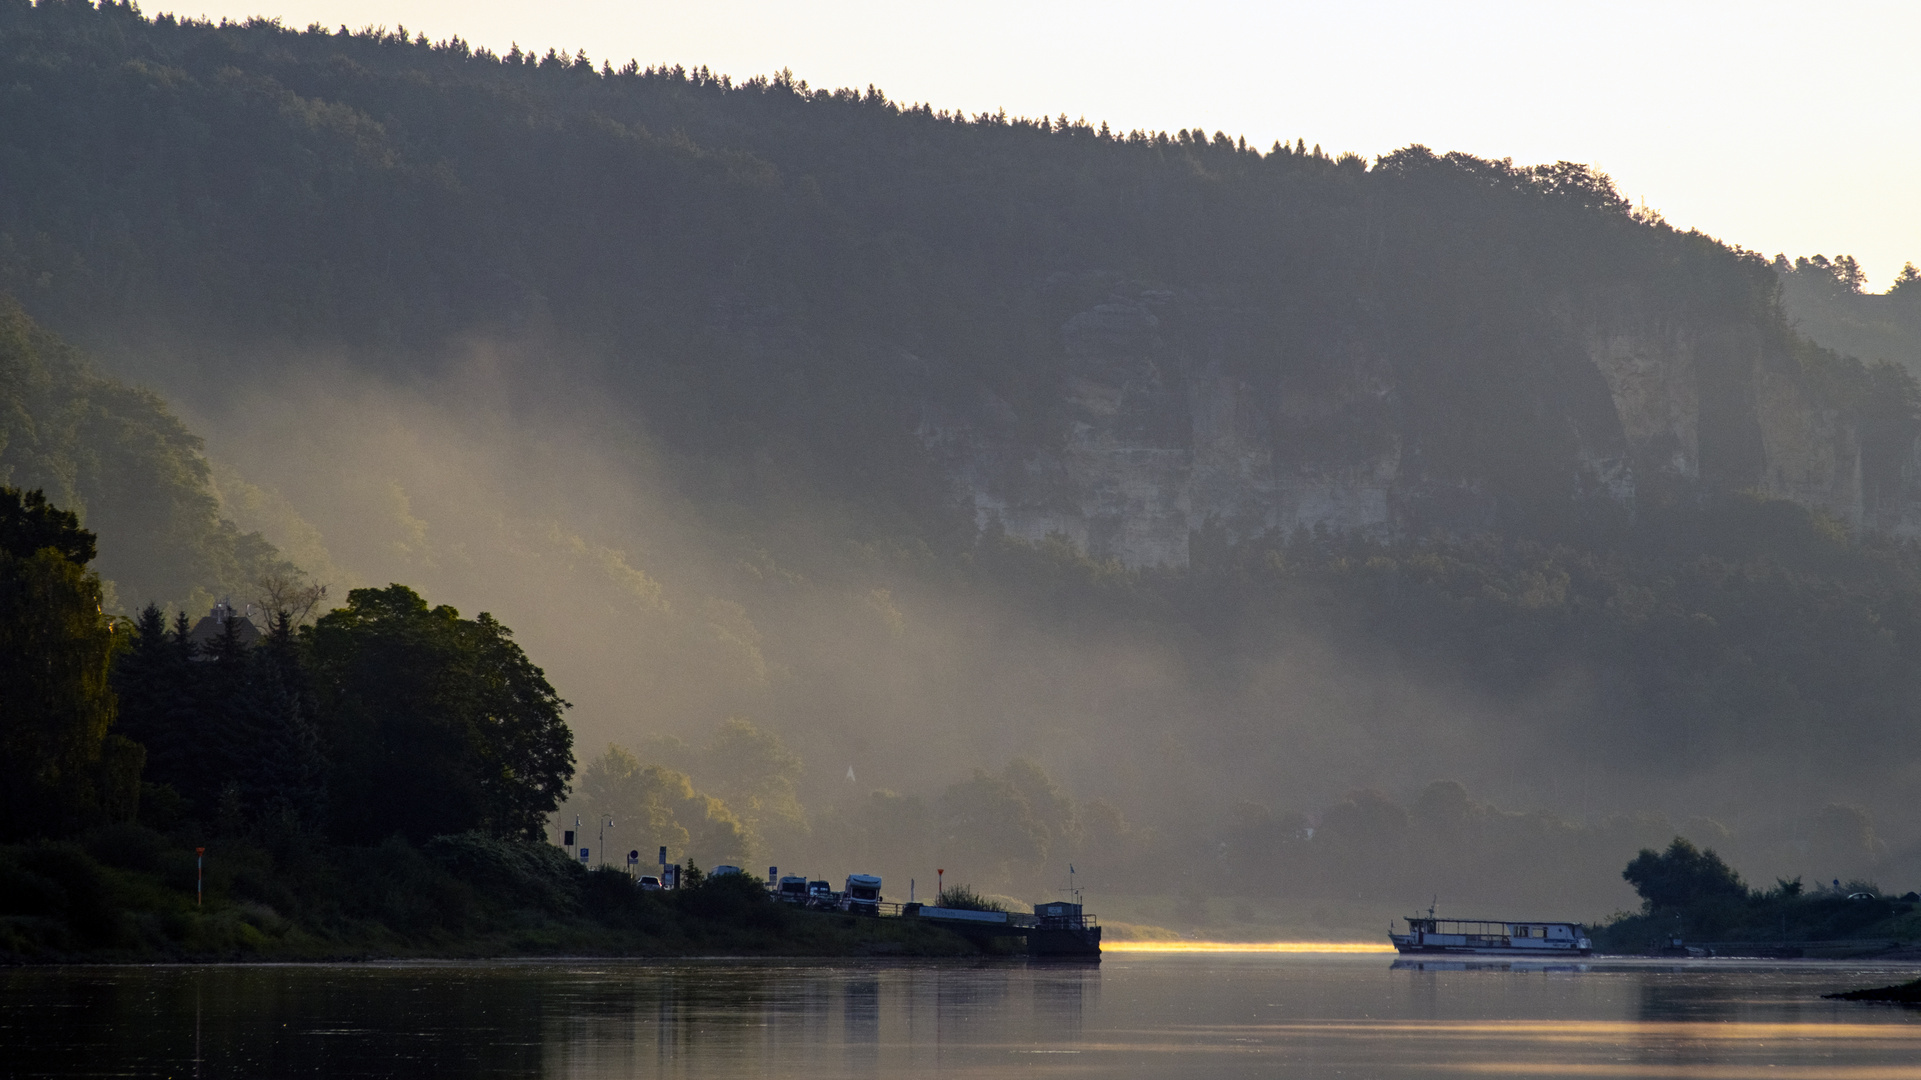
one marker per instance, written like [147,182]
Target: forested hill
[897,302]
[116,455]
[1248,492]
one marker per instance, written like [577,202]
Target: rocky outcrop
[1163,430]
[1158,443]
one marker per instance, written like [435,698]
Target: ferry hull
[1081,943]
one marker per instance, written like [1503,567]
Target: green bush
[524,873]
[23,892]
[736,898]
[396,885]
[78,889]
[612,898]
[966,899]
[127,846]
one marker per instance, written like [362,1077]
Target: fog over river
[1276,1015]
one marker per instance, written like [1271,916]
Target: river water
[1204,1016]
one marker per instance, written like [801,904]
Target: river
[1165,1015]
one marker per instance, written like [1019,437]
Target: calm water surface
[1179,1016]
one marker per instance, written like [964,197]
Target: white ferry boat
[1489,937]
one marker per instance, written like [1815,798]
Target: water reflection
[1197,1016]
[1490,965]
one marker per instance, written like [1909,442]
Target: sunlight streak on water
[1245,947]
[1608,1030]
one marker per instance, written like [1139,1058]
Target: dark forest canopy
[762,264]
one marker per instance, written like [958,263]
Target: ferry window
[1520,931]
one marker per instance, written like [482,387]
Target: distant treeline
[1828,301]
[1740,629]
[1014,831]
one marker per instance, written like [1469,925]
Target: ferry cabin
[1488,937]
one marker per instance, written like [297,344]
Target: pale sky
[1779,125]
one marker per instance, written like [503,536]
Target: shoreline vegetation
[1691,897]
[374,784]
[123,894]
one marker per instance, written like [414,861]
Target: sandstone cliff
[1171,424]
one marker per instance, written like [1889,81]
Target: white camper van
[863,895]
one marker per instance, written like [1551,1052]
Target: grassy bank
[127,894]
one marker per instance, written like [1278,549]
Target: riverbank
[128,895]
[1775,925]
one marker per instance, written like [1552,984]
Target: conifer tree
[285,782]
[153,678]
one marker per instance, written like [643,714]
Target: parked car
[792,890]
[649,883]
